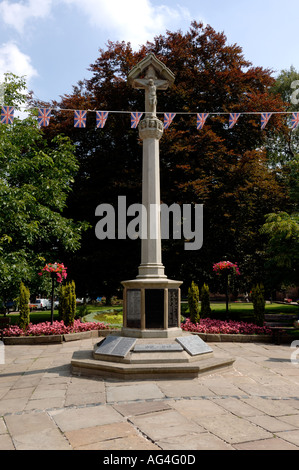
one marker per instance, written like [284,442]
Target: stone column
[150,131]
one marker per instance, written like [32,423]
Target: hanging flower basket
[226,267]
[55,268]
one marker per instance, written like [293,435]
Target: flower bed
[57,328]
[207,325]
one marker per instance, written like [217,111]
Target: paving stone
[140,408]
[19,393]
[86,436]
[165,424]
[290,436]
[142,391]
[266,444]
[236,406]
[28,422]
[46,439]
[12,405]
[78,399]
[202,441]
[184,388]
[271,424]
[48,392]
[126,443]
[79,418]
[6,442]
[45,403]
[196,409]
[270,406]
[3,429]
[291,419]
[232,429]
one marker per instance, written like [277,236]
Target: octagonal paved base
[185,356]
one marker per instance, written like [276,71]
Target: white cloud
[132,20]
[17,14]
[15,61]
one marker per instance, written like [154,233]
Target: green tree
[193,303]
[224,169]
[24,315]
[36,177]
[281,228]
[205,308]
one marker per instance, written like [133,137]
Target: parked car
[41,304]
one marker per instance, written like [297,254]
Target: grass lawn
[113,315]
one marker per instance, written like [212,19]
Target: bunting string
[80,117]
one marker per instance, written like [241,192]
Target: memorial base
[183,356]
[151,305]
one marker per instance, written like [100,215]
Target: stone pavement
[253,406]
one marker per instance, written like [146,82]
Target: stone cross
[151,301]
[150,84]
[151,75]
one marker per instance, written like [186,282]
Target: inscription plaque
[158,347]
[194,345]
[134,308]
[173,307]
[116,346]
[154,308]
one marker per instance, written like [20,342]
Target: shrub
[193,302]
[24,316]
[258,300]
[67,303]
[205,308]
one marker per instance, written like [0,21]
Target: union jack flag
[201,119]
[135,118]
[168,118]
[7,114]
[295,120]
[233,117]
[264,119]
[44,116]
[101,118]
[80,119]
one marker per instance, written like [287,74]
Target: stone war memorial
[151,343]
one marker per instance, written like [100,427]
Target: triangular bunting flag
[80,119]
[168,118]
[7,114]
[295,120]
[101,118]
[233,117]
[264,119]
[44,116]
[201,119]
[135,118]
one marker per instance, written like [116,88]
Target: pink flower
[57,268]
[222,266]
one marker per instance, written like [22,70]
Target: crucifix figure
[150,84]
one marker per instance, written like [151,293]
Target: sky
[53,42]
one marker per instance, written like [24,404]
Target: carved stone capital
[151,127]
